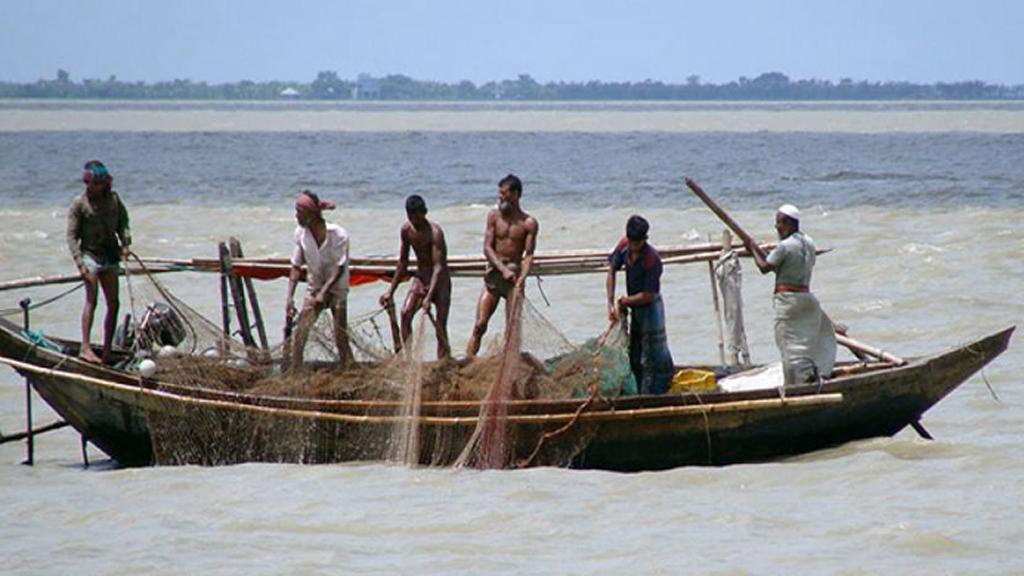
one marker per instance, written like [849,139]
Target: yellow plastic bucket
[690,380]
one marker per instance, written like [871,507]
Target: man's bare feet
[87,354]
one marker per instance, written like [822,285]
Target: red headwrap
[305,201]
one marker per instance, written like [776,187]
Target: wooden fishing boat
[139,421]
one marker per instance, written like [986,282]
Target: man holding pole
[649,356]
[804,334]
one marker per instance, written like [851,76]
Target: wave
[854,175]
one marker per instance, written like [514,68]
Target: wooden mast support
[225,314]
[257,315]
[237,297]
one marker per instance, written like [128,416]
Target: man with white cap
[804,334]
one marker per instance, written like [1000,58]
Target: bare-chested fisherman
[509,242]
[431,282]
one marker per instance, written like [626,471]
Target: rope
[984,378]
[13,311]
[989,386]
[171,301]
[707,426]
[540,287]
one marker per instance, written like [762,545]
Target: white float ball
[167,351]
[147,368]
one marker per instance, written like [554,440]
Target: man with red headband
[323,249]
[98,235]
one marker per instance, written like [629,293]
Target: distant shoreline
[328,86]
[742,117]
[487,104]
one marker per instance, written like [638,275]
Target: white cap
[789,210]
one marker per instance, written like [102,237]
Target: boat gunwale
[514,406]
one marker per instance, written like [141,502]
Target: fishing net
[227,402]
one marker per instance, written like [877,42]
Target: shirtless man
[431,283]
[509,242]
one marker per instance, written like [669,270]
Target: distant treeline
[328,86]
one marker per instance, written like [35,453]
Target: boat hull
[140,422]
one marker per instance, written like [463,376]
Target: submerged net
[231,403]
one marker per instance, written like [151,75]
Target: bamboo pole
[36,281]
[225,314]
[859,368]
[588,262]
[146,394]
[551,257]
[34,432]
[720,332]
[857,346]
[747,239]
[261,330]
[237,297]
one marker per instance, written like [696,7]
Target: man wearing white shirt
[323,249]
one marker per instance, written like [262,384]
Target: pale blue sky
[481,40]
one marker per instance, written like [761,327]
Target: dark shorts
[496,283]
[442,294]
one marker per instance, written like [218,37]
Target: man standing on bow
[649,355]
[98,236]
[803,332]
[509,242]
[323,249]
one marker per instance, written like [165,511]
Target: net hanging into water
[241,407]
